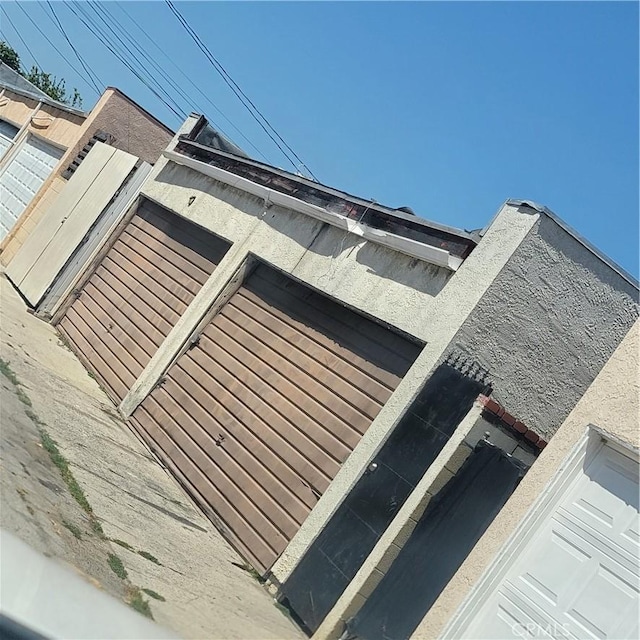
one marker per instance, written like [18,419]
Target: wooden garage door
[258,416]
[138,293]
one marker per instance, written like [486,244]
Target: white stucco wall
[612,403]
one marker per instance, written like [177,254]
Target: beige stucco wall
[16,108]
[612,403]
[134,130]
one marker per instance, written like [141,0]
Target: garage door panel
[183,238]
[245,442]
[299,363]
[275,402]
[267,427]
[279,324]
[130,353]
[21,178]
[109,347]
[297,389]
[370,340]
[303,335]
[120,283]
[111,303]
[276,391]
[179,284]
[138,293]
[251,545]
[93,356]
[219,469]
[575,575]
[149,276]
[191,430]
[180,256]
[245,386]
[142,316]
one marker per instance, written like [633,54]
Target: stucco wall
[16,108]
[612,403]
[135,131]
[547,325]
[385,284]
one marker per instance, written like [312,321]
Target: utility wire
[26,46]
[87,23]
[44,35]
[132,57]
[192,83]
[92,76]
[244,99]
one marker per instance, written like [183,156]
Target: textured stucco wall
[382,283]
[612,403]
[134,130]
[547,325]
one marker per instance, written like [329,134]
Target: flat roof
[458,242]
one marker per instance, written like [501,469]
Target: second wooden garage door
[138,293]
[258,416]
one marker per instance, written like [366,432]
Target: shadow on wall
[317,237]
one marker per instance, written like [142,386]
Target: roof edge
[139,106]
[540,208]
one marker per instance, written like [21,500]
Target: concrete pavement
[165,544]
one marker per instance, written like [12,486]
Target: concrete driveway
[136,534]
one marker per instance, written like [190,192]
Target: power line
[92,28]
[192,83]
[132,57]
[244,99]
[26,46]
[92,76]
[44,35]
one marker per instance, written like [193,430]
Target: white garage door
[7,134]
[578,576]
[22,177]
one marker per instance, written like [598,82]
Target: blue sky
[450,108]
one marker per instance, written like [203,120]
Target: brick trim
[511,422]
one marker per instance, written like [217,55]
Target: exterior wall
[523,263]
[134,130]
[612,403]
[16,108]
[547,325]
[427,302]
[380,282]
[55,125]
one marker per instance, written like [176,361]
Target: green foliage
[137,602]
[9,56]
[155,595]
[52,86]
[74,530]
[148,556]
[7,372]
[116,566]
[122,543]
